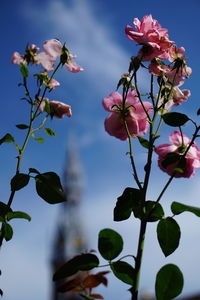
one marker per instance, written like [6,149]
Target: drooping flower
[57,109]
[177,98]
[149,33]
[174,76]
[170,156]
[17,58]
[133,113]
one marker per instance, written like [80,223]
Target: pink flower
[180,96]
[176,53]
[17,59]
[152,36]
[73,67]
[53,48]
[169,156]
[177,98]
[53,83]
[176,77]
[58,109]
[133,114]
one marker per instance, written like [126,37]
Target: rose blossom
[152,36]
[158,68]
[17,58]
[133,114]
[53,49]
[53,83]
[177,98]
[58,109]
[178,146]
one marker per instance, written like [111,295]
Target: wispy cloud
[95,42]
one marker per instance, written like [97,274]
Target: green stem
[131,156]
[138,261]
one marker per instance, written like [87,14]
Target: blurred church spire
[69,238]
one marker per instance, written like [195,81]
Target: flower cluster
[131,116]
[52,49]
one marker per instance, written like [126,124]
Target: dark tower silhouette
[69,239]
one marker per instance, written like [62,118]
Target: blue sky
[94,31]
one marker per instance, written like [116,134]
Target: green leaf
[22,126]
[110,243]
[8,138]
[123,271]
[169,282]
[143,142]
[7,231]
[24,70]
[19,181]
[40,139]
[83,262]
[49,131]
[129,201]
[175,119]
[49,188]
[168,233]
[177,208]
[153,211]
[47,107]
[18,215]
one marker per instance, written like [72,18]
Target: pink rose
[177,78]
[175,53]
[53,83]
[169,156]
[152,36]
[58,109]
[17,59]
[178,97]
[133,113]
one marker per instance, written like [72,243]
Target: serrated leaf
[22,126]
[49,132]
[17,215]
[19,181]
[123,271]
[7,231]
[168,233]
[177,208]
[8,138]
[40,139]
[83,262]
[175,119]
[110,243]
[169,282]
[143,142]
[24,70]
[49,188]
